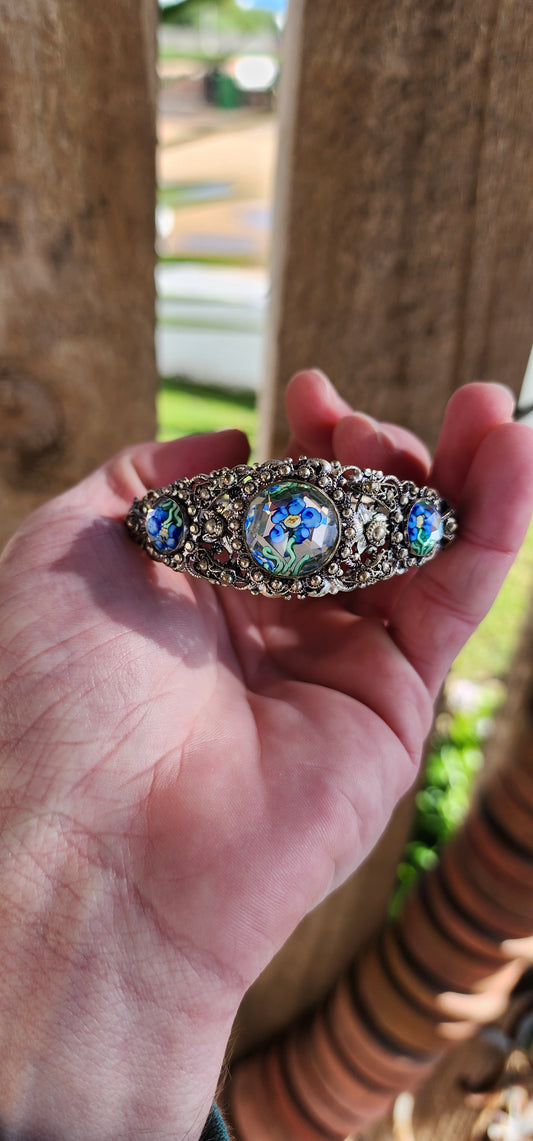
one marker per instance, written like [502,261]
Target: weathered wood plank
[405,253]
[77,190]
[403,266]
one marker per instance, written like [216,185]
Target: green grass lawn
[184,408]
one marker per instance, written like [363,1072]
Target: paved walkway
[211,319]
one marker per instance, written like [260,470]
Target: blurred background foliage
[228,14]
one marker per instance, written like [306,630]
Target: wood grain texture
[307,967]
[77,197]
[407,243]
[403,266]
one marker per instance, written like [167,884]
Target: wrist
[105,1032]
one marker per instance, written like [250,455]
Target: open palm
[219,761]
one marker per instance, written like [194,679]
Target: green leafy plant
[229,16]
[454,760]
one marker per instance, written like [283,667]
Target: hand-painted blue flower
[296,519]
[165,525]
[155,521]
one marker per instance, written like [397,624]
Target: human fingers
[448,597]
[472,412]
[313,408]
[132,471]
[366,442]
[360,440]
[323,424]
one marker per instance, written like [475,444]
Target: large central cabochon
[291,528]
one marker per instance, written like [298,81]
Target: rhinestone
[377,531]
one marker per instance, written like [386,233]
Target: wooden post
[403,251]
[77,197]
[403,266]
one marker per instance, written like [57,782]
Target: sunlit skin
[187,770]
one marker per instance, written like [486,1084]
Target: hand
[186,771]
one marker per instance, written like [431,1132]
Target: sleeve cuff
[214,1128]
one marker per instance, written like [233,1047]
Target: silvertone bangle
[292,528]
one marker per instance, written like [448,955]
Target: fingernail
[507,389]
[364,416]
[386,441]
[380,434]
[322,377]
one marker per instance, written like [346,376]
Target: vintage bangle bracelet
[288,528]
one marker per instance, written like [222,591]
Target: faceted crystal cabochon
[165,524]
[291,528]
[424,527]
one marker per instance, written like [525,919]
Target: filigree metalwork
[209,530]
